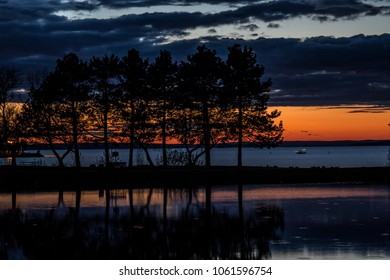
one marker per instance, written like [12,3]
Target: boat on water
[301,152]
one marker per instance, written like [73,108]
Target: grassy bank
[30,178]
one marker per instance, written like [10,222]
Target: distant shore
[47,178]
[343,143]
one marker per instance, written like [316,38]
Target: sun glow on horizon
[355,122]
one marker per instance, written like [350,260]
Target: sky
[329,60]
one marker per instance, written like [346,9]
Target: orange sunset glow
[335,123]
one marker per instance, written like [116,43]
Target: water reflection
[232,222]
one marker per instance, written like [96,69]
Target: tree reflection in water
[200,230]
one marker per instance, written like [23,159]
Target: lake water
[313,221]
[335,156]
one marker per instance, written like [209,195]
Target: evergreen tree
[104,77]
[247,96]
[9,80]
[68,88]
[201,79]
[41,117]
[163,88]
[134,102]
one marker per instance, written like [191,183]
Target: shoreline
[69,178]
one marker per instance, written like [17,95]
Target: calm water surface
[332,156]
[319,221]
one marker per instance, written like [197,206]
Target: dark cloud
[252,27]
[84,6]
[329,71]
[263,10]
[150,3]
[273,25]
[323,70]
[316,71]
[366,111]
[342,8]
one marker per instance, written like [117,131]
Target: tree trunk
[164,137]
[13,155]
[132,133]
[105,136]
[75,136]
[131,152]
[148,157]
[76,148]
[239,155]
[58,157]
[206,134]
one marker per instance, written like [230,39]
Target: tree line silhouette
[198,103]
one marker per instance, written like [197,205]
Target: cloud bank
[312,71]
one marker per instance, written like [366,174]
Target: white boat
[301,152]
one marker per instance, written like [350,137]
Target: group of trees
[198,103]
[9,80]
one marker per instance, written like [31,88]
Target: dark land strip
[53,178]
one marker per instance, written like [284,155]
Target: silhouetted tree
[9,80]
[69,87]
[247,96]
[133,103]
[201,79]
[145,129]
[201,102]
[187,130]
[105,94]
[41,118]
[162,79]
